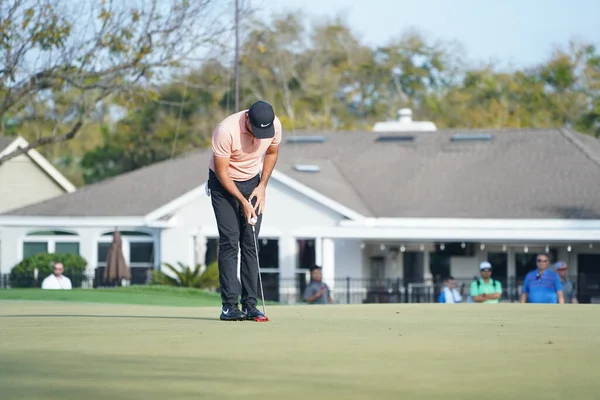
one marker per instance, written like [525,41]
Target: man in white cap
[486,289]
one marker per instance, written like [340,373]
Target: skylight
[307,168]
[483,137]
[306,139]
[395,138]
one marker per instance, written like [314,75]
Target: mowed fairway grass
[71,350]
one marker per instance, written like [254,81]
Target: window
[138,248]
[32,248]
[102,252]
[50,241]
[141,253]
[66,247]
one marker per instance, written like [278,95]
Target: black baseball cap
[261,117]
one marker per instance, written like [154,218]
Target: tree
[64,60]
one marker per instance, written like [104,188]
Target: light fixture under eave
[569,248]
[526,249]
[504,248]
[591,246]
[547,249]
[403,248]
[482,246]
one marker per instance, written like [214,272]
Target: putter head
[262,319]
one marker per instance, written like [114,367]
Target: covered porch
[405,261]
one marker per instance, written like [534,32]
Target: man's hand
[259,193]
[248,211]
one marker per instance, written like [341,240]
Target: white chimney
[405,115]
[404,123]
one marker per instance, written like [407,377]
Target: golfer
[237,191]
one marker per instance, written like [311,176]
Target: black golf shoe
[252,313]
[232,313]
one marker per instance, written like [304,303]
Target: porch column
[287,268]
[427,277]
[328,261]
[511,271]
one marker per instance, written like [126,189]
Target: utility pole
[237,56]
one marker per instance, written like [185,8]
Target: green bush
[184,276]
[21,275]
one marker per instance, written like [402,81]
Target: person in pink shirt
[241,144]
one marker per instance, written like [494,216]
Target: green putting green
[143,294]
[68,350]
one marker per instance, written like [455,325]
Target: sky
[512,33]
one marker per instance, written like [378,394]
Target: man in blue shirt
[542,285]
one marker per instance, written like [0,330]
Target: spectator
[56,280]
[486,289]
[317,291]
[542,285]
[449,293]
[568,288]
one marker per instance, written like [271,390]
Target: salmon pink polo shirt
[232,139]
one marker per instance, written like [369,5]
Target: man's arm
[498,293]
[525,290]
[475,295]
[269,164]
[559,290]
[221,167]
[221,147]
[312,298]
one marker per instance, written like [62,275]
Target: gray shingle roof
[5,141]
[530,173]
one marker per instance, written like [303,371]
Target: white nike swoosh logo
[225,312]
[264,126]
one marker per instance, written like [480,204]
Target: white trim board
[473,223]
[44,164]
[62,222]
[453,234]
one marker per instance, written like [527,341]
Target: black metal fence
[347,290]
[361,291]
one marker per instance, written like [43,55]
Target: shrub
[21,275]
[184,276]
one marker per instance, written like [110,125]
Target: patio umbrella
[116,266]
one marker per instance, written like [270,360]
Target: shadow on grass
[107,316]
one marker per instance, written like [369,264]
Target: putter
[262,294]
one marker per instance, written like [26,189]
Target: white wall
[23,182]
[285,211]
[464,267]
[12,238]
[348,259]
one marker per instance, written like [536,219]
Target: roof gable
[36,157]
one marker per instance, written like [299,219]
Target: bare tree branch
[59,53]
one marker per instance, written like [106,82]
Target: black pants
[235,233]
